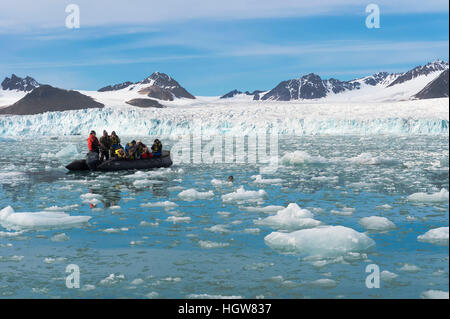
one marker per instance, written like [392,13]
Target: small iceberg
[441,196]
[16,221]
[323,241]
[241,195]
[290,218]
[192,194]
[301,157]
[377,224]
[437,236]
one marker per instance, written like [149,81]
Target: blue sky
[246,44]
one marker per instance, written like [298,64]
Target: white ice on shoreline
[12,220]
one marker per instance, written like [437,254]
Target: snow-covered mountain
[158,85]
[15,83]
[377,87]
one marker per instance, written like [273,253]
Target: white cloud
[26,15]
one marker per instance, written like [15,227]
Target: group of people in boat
[108,146]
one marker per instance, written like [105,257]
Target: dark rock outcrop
[145,103]
[115,87]
[20,84]
[436,88]
[46,98]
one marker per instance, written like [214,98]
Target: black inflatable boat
[91,163]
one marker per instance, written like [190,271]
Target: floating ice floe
[12,220]
[148,224]
[301,157]
[369,159]
[68,151]
[61,209]
[434,294]
[385,206]
[115,230]
[346,211]
[10,234]
[410,268]
[438,236]
[178,219]
[112,279]
[388,276]
[218,229]
[146,182]
[211,244]
[192,194]
[60,238]
[258,179]
[325,241]
[165,204]
[12,258]
[441,196]
[324,283]
[218,182]
[290,218]
[267,209]
[377,223]
[241,195]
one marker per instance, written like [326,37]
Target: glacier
[181,118]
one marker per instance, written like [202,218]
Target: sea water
[334,206]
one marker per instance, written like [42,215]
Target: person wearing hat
[93,143]
[140,148]
[115,143]
[157,148]
[131,149]
[105,145]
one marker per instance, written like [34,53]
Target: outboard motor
[92,160]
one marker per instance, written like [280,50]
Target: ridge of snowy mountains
[21,96]
[379,86]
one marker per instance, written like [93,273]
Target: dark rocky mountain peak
[20,84]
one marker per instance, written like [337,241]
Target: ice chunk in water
[68,151]
[166,204]
[301,157]
[290,218]
[12,220]
[434,294]
[377,223]
[441,196]
[258,179]
[242,195]
[438,236]
[192,194]
[325,241]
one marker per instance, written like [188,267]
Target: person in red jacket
[93,143]
[146,154]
